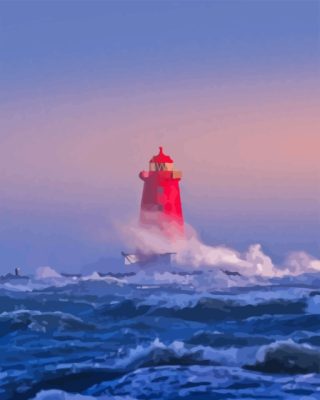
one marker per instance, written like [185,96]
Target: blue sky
[88,42]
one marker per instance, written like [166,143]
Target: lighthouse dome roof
[161,157]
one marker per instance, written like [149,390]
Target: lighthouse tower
[161,203]
[160,213]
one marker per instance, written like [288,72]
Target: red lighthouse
[161,203]
[161,216]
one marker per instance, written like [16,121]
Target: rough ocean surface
[157,334]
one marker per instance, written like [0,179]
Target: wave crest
[287,357]
[40,321]
[157,354]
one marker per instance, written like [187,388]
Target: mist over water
[191,253]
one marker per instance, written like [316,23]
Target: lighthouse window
[160,166]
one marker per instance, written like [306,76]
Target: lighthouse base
[148,259]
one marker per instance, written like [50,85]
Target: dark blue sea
[160,335]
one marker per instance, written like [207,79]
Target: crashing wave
[192,254]
[196,267]
[40,322]
[158,354]
[47,272]
[96,276]
[287,357]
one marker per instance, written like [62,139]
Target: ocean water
[161,335]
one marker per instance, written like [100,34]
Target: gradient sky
[90,89]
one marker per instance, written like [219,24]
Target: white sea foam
[195,265]
[47,272]
[95,276]
[192,254]
[157,353]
